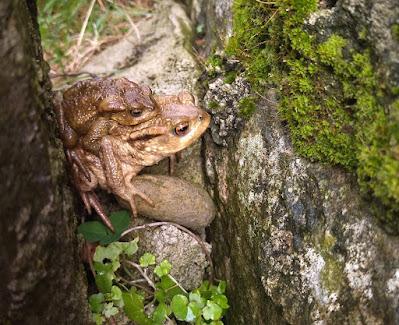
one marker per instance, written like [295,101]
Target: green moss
[214,61]
[331,275]
[331,96]
[395,31]
[247,107]
[363,33]
[230,77]
[213,105]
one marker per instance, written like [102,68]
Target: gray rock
[296,241]
[175,200]
[188,259]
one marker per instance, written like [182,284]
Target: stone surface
[42,278]
[175,200]
[180,249]
[296,241]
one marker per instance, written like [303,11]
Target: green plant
[95,231]
[141,289]
[146,292]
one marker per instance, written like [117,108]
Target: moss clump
[213,105]
[214,61]
[395,31]
[247,107]
[336,107]
[332,273]
[230,77]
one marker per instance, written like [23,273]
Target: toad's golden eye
[182,129]
[136,113]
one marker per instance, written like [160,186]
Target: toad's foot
[91,200]
[131,199]
[74,159]
[130,192]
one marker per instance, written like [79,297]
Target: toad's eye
[182,129]
[136,113]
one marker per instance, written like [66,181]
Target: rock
[175,200]
[296,240]
[180,249]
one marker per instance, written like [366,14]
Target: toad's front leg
[118,181]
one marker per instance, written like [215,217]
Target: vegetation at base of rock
[337,107]
[121,292]
[95,231]
[247,107]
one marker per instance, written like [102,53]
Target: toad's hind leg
[89,197]
[95,203]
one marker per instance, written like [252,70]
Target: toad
[119,153]
[91,108]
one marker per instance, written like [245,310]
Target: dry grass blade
[85,22]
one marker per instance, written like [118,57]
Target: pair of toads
[113,128]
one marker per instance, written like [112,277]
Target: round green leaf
[110,310]
[96,302]
[163,268]
[104,282]
[221,300]
[179,306]
[147,259]
[92,231]
[116,293]
[212,311]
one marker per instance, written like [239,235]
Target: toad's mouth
[148,133]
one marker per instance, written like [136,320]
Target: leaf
[129,248]
[110,252]
[196,308]
[147,259]
[120,220]
[179,306]
[161,312]
[96,302]
[110,310]
[102,268]
[170,287]
[134,307]
[116,293]
[163,268]
[98,318]
[104,282]
[92,231]
[221,300]
[212,311]
[222,287]
[190,315]
[196,297]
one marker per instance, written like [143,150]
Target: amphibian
[108,151]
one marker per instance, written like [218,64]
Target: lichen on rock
[287,209]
